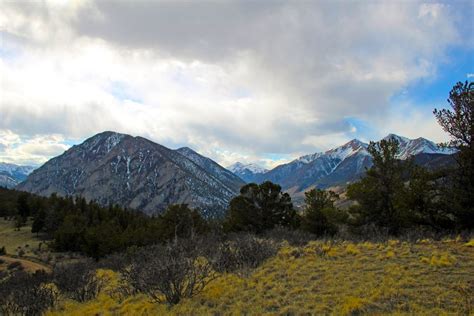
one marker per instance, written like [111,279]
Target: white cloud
[234,80]
[411,122]
[29,150]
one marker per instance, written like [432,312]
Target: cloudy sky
[251,81]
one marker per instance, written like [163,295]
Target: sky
[249,81]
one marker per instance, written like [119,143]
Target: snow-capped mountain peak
[248,172]
[309,158]
[252,167]
[411,147]
[348,149]
[11,174]
[400,139]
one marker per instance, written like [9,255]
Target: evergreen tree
[379,195]
[260,207]
[70,235]
[320,215]
[458,122]
[425,201]
[179,221]
[38,222]
[19,222]
[22,205]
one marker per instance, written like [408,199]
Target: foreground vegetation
[281,272]
[322,277]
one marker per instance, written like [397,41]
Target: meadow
[15,240]
[394,277]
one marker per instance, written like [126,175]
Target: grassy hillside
[14,240]
[341,278]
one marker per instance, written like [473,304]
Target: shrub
[243,252]
[78,281]
[14,265]
[117,261]
[25,294]
[168,273]
[294,237]
[3,251]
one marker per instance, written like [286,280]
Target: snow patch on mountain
[411,147]
[239,167]
[11,174]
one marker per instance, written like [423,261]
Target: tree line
[393,196]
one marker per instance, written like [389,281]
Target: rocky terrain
[137,173]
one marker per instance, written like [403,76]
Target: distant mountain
[412,147]
[311,170]
[11,174]
[225,176]
[247,172]
[344,164]
[137,173]
[435,161]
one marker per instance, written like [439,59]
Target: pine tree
[179,221]
[39,221]
[458,122]
[22,205]
[320,214]
[260,207]
[379,194]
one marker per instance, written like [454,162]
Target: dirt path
[29,266]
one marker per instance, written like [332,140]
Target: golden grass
[335,278]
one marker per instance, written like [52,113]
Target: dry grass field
[324,278]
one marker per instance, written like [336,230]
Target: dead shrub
[168,273]
[78,281]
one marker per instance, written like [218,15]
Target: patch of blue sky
[277,156]
[241,93]
[433,91]
[72,142]
[8,51]
[122,92]
[362,130]
[185,81]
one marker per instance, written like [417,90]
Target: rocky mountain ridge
[136,173]
[340,165]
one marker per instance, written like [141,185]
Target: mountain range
[339,166]
[134,172]
[248,172]
[11,174]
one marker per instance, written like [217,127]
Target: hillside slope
[133,172]
[327,278]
